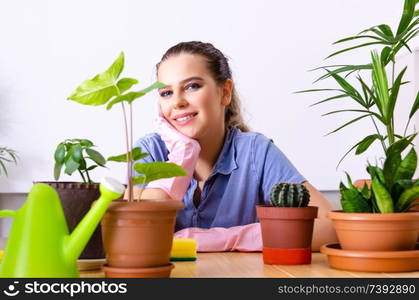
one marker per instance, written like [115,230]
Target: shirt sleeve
[272,166]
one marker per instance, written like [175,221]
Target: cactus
[285,194]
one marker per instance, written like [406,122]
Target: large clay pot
[376,231]
[287,234]
[139,234]
[76,199]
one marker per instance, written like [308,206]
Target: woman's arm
[323,232]
[148,193]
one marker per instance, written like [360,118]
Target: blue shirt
[248,166]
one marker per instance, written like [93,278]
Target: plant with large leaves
[107,88]
[377,100]
[74,154]
[7,155]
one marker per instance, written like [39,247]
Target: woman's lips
[185,121]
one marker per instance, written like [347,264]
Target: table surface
[239,264]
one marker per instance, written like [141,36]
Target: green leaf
[394,93]
[357,37]
[352,92]
[407,16]
[137,154]
[354,110]
[344,69]
[316,90]
[406,199]
[380,87]
[354,47]
[86,143]
[157,170]
[407,166]
[76,153]
[386,55]
[386,30]
[71,166]
[96,157]
[414,107]
[57,170]
[91,168]
[400,145]
[102,87]
[138,179]
[348,123]
[382,197]
[366,143]
[352,200]
[125,84]
[59,153]
[330,98]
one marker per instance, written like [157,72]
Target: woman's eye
[193,86]
[165,93]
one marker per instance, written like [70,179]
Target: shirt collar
[226,161]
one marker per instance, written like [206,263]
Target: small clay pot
[153,272]
[287,233]
[139,234]
[376,231]
[372,261]
[76,199]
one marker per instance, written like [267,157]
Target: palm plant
[393,189]
[6,156]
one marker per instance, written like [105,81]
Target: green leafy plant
[107,88]
[7,156]
[284,194]
[392,187]
[376,99]
[73,154]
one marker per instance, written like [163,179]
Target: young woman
[231,170]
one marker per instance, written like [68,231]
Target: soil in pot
[139,234]
[286,233]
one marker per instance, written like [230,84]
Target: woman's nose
[179,101]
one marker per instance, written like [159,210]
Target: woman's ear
[227,92]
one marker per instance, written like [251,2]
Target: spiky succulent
[284,194]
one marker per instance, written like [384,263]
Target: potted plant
[392,191]
[287,225]
[137,233]
[6,156]
[73,155]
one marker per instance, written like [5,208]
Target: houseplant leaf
[408,13]
[137,154]
[382,197]
[59,154]
[102,87]
[157,170]
[96,157]
[407,166]
[406,199]
[125,84]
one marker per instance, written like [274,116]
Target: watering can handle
[7,213]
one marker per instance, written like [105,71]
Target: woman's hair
[220,70]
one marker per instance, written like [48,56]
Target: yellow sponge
[183,249]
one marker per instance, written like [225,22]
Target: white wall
[49,47]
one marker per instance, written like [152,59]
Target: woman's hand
[183,151]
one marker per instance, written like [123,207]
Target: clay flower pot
[139,234]
[375,231]
[76,199]
[286,234]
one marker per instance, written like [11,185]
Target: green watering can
[39,243]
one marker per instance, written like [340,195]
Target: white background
[49,47]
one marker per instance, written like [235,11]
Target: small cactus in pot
[287,225]
[284,194]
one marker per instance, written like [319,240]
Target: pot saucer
[372,261]
[90,264]
[152,272]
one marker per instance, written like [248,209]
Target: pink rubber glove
[246,238]
[183,151]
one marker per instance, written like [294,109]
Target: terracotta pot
[139,234]
[360,183]
[155,272]
[286,233]
[375,231]
[76,199]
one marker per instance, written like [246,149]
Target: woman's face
[192,101]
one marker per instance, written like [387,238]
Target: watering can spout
[110,189]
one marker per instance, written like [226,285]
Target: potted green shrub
[390,196]
[287,225]
[77,155]
[137,233]
[6,156]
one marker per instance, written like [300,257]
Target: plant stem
[378,131]
[390,135]
[88,177]
[131,144]
[128,154]
[81,174]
